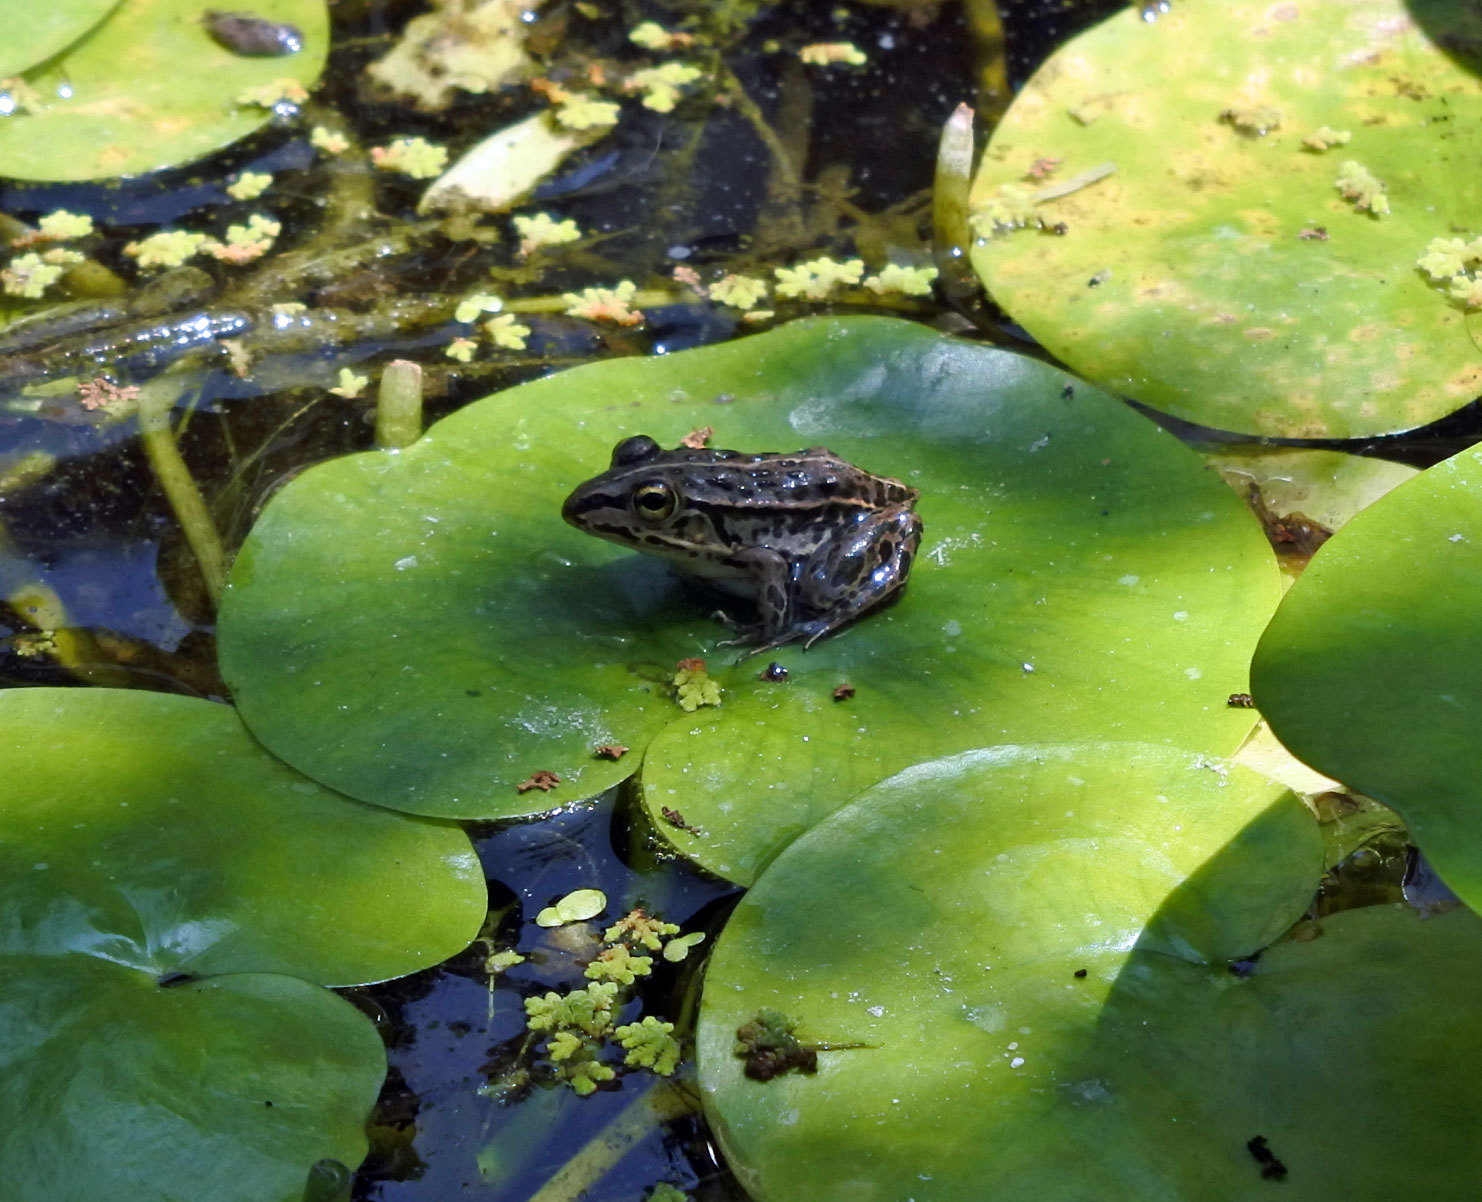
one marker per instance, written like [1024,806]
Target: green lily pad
[1371,670]
[150,830]
[1218,274]
[420,630]
[969,920]
[227,1088]
[1082,576]
[161,870]
[35,32]
[148,88]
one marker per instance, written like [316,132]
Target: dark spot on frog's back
[252,36]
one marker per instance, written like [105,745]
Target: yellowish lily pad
[148,88]
[1204,253]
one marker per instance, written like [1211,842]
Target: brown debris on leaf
[610,751]
[770,1048]
[1272,1168]
[844,692]
[543,780]
[677,820]
[697,439]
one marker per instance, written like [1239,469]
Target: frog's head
[645,501]
[635,497]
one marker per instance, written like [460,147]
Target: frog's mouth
[582,509]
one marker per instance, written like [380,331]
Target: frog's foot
[747,633]
[807,633]
[750,638]
[757,640]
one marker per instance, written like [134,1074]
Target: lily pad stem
[156,401]
[661,1103]
[399,405]
[783,158]
[985,26]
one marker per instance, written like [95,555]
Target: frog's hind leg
[884,550]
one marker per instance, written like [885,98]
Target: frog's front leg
[771,575]
[858,571]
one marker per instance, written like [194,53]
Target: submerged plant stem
[985,24]
[785,182]
[661,1103]
[156,401]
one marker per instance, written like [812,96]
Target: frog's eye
[654,501]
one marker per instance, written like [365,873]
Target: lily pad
[226,1088]
[970,921]
[1371,670]
[148,88]
[151,831]
[35,32]
[420,630]
[1218,273]
[161,870]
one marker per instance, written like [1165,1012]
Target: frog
[813,540]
